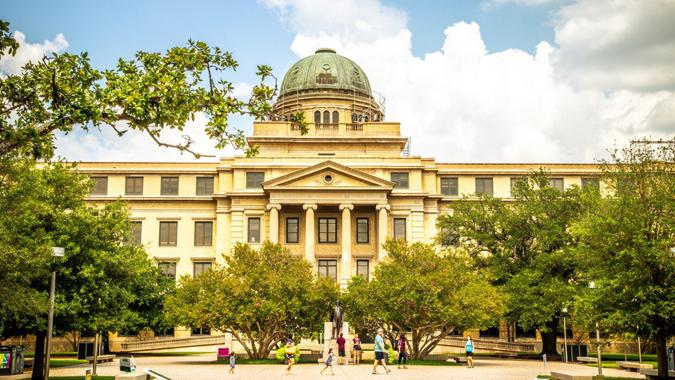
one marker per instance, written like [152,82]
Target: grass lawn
[173,353]
[64,353]
[56,363]
[621,357]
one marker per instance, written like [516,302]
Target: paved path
[198,367]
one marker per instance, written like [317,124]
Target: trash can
[11,360]
[671,358]
[85,350]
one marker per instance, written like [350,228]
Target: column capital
[275,206]
[309,205]
[346,207]
[380,207]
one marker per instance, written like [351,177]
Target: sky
[470,81]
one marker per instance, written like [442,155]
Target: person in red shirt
[341,348]
[402,353]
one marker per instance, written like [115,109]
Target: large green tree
[260,296]
[524,243]
[151,93]
[627,246]
[428,292]
[102,285]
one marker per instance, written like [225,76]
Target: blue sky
[491,80]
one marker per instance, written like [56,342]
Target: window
[399,228]
[254,180]
[327,230]
[254,230]
[557,183]
[136,232]
[362,230]
[100,186]
[292,230]
[328,268]
[515,181]
[204,186]
[317,117]
[590,182]
[167,233]
[484,186]
[169,186]
[336,117]
[362,268]
[203,330]
[449,186]
[400,179]
[200,267]
[203,233]
[168,268]
[326,117]
[133,186]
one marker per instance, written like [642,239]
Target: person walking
[379,352]
[329,362]
[356,348]
[341,342]
[469,351]
[402,353]
[290,355]
[233,362]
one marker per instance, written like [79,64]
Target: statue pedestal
[331,342]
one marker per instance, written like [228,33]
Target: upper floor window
[254,180]
[169,186]
[204,186]
[399,228]
[592,182]
[133,186]
[484,186]
[168,233]
[100,185]
[317,117]
[514,183]
[400,179]
[336,117]
[449,186]
[203,233]
[254,230]
[292,230]
[362,230]
[327,230]
[557,183]
[326,117]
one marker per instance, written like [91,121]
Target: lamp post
[591,285]
[56,252]
[564,313]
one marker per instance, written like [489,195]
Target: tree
[426,292]
[101,284]
[151,93]
[627,246]
[525,245]
[259,296]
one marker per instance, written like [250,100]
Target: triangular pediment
[328,175]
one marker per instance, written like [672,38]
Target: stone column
[309,231]
[274,221]
[346,271]
[382,230]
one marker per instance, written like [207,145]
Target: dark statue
[336,318]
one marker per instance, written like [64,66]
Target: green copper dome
[325,70]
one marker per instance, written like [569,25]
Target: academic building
[332,195]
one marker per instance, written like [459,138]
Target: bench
[586,359]
[457,359]
[132,376]
[633,366]
[101,358]
[566,376]
[653,373]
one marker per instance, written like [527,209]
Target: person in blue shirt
[469,351]
[329,362]
[233,361]
[379,351]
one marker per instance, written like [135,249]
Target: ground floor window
[399,228]
[203,330]
[362,268]
[328,268]
[168,269]
[254,230]
[201,267]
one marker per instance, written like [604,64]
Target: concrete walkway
[198,367]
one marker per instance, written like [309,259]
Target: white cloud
[494,3]
[462,103]
[620,44]
[29,52]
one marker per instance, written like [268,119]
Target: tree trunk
[661,350]
[549,340]
[39,358]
